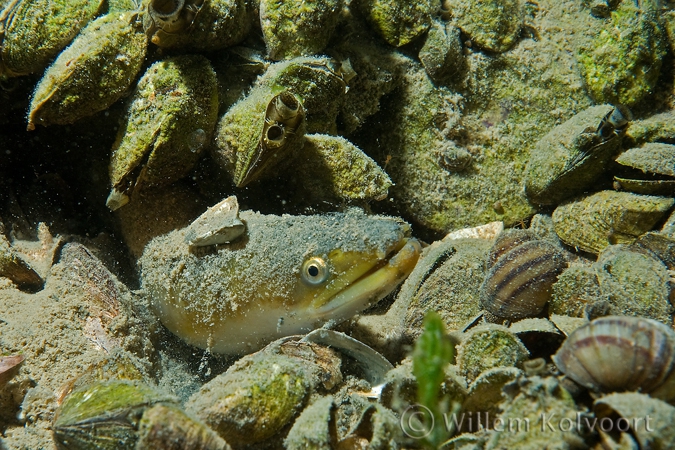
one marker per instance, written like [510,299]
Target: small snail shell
[519,282]
[621,353]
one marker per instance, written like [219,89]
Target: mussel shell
[647,187]
[620,353]
[652,157]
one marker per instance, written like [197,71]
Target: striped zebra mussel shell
[522,270]
[621,353]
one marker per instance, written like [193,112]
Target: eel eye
[314,271]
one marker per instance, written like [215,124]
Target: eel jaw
[371,287]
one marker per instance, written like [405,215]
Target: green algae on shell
[36,31]
[569,158]
[331,167]
[254,399]
[649,169]
[623,62]
[169,120]
[104,415]
[488,346]
[286,275]
[492,25]
[299,27]
[197,24]
[635,282]
[592,223]
[92,73]
[441,55]
[167,427]
[398,23]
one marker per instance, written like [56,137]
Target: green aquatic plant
[432,353]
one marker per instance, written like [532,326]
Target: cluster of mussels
[563,331]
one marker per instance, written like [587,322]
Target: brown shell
[519,283]
[621,353]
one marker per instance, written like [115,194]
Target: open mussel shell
[649,169]
[631,415]
[104,415]
[572,156]
[593,222]
[258,134]
[621,353]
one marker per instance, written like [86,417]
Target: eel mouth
[371,286]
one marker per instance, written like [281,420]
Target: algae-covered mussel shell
[92,73]
[490,25]
[298,28]
[605,218]
[649,169]
[197,24]
[104,414]
[623,61]
[628,280]
[257,136]
[572,156]
[621,353]
[261,393]
[128,415]
[312,88]
[33,32]
[258,133]
[397,23]
[169,119]
[331,167]
[286,275]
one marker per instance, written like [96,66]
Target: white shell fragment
[218,225]
[488,231]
